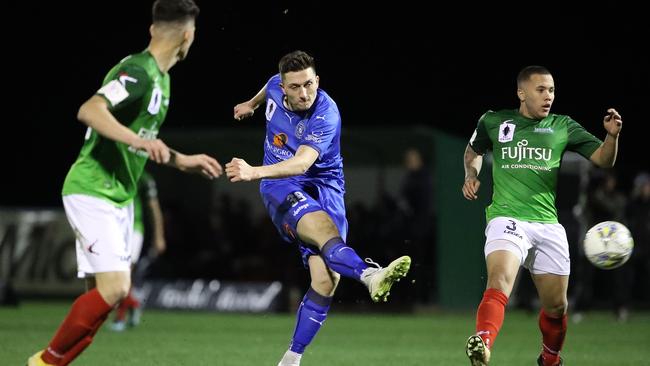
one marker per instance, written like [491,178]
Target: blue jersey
[321,187]
[319,127]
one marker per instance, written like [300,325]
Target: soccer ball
[608,245]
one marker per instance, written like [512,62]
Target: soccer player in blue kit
[303,186]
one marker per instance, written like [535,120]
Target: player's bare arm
[605,155]
[202,164]
[246,109]
[96,115]
[472,163]
[238,170]
[158,225]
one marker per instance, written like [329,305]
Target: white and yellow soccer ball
[608,244]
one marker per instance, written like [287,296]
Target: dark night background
[396,64]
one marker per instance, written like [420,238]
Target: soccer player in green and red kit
[522,226]
[123,119]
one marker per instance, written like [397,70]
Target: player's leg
[552,291]
[338,255]
[111,286]
[317,228]
[550,268]
[86,315]
[129,305]
[313,309]
[300,216]
[505,249]
[101,230]
[502,268]
[84,342]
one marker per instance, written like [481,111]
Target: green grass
[179,338]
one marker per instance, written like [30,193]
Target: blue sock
[311,315]
[342,259]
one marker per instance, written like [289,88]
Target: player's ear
[151,30]
[317,80]
[521,95]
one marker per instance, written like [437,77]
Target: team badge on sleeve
[270,109]
[114,91]
[506,131]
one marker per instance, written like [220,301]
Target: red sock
[489,316]
[553,333]
[129,302]
[82,344]
[84,314]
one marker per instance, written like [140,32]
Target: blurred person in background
[416,202]
[522,224]
[604,202]
[302,187]
[123,118]
[638,220]
[145,205]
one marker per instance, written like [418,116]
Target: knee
[335,281]
[115,292]
[317,227]
[500,280]
[557,307]
[326,285]
[122,290]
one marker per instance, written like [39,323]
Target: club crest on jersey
[270,108]
[300,129]
[506,131]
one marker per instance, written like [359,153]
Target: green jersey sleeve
[480,141]
[580,140]
[125,84]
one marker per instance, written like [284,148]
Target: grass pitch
[188,338]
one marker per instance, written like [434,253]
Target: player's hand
[243,110]
[470,188]
[238,170]
[202,164]
[613,122]
[156,149]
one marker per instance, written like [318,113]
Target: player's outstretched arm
[472,164]
[605,155]
[238,170]
[246,109]
[202,164]
[96,115]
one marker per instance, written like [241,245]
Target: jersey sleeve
[480,141]
[124,85]
[273,83]
[580,140]
[321,129]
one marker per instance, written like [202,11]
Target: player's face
[300,87]
[536,96]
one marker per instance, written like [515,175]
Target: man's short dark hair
[528,71]
[179,11]
[296,61]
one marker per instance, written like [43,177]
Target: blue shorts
[287,201]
